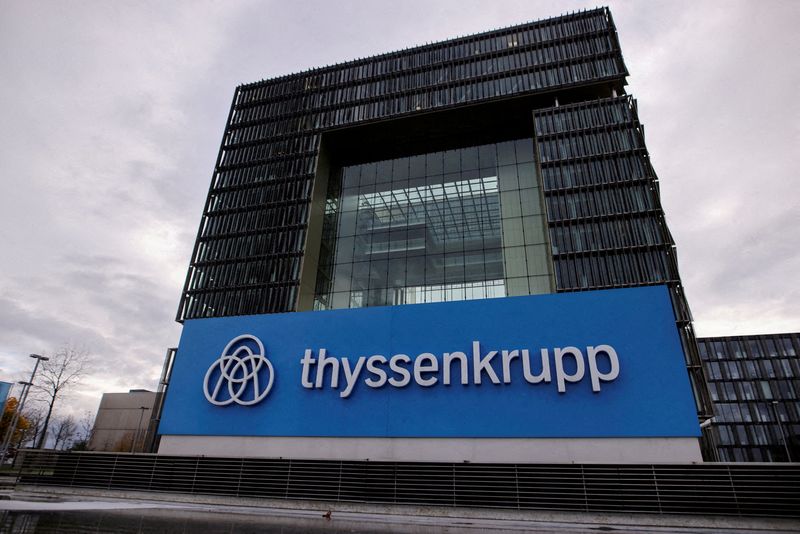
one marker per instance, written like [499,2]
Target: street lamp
[138,427]
[707,426]
[26,387]
[780,428]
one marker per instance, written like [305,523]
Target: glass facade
[571,203]
[451,225]
[754,383]
[251,242]
[606,222]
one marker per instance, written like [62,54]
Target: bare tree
[35,417]
[83,436]
[64,429]
[64,370]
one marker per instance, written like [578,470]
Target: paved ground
[23,513]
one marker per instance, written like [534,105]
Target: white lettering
[321,363]
[424,369]
[507,357]
[561,376]
[420,367]
[484,364]
[372,367]
[448,360]
[594,373]
[526,367]
[307,362]
[394,365]
[351,375]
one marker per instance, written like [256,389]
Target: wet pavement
[174,521]
[162,521]
[145,518]
[65,514]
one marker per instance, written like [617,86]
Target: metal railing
[771,490]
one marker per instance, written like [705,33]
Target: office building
[123,422]
[506,164]
[754,383]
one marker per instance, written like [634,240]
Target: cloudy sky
[112,115]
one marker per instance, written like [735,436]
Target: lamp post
[707,426]
[26,387]
[780,428]
[138,427]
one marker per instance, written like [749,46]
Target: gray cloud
[113,114]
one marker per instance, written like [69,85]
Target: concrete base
[574,450]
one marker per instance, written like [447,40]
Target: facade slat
[258,204]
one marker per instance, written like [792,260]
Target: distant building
[123,422]
[754,383]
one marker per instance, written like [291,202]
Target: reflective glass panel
[431,228]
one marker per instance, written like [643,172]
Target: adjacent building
[505,164]
[123,422]
[754,383]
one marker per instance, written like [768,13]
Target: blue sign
[5,388]
[588,364]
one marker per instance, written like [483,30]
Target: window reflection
[429,228]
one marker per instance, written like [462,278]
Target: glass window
[512,232]
[368,175]
[452,161]
[772,348]
[714,370]
[431,227]
[505,154]
[769,368]
[754,348]
[530,202]
[524,150]
[469,159]
[786,390]
[487,156]
[417,167]
[515,262]
[434,164]
[733,369]
[527,175]
[724,435]
[507,178]
[786,368]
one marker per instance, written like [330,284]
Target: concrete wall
[118,419]
[594,450]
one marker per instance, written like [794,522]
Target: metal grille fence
[726,489]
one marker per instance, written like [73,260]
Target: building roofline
[447,42]
[745,336]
